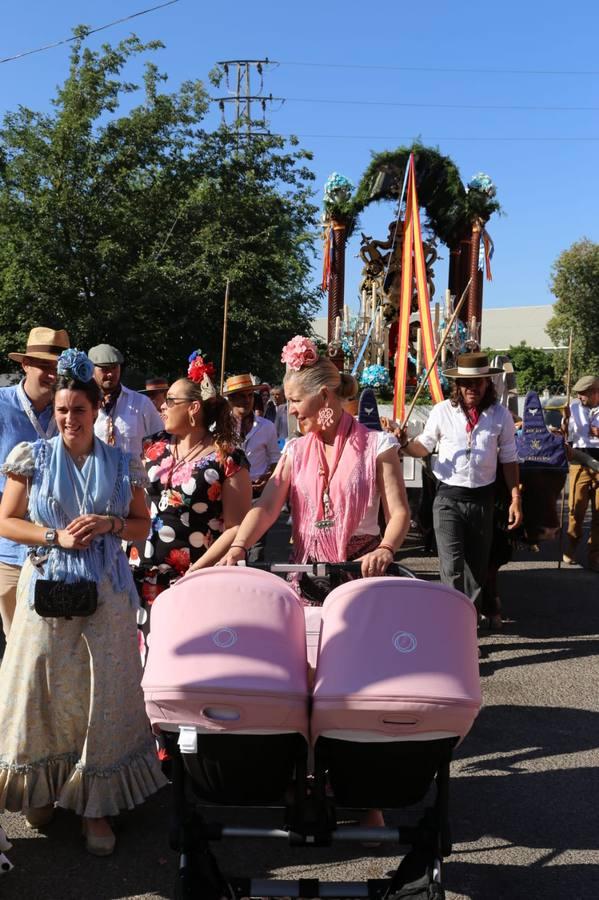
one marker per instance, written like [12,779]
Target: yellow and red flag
[413,262]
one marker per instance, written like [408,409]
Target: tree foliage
[575,284]
[534,368]
[124,227]
[449,206]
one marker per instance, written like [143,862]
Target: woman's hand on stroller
[376,562]
[233,556]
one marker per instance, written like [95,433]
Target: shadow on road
[534,882]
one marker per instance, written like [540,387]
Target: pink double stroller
[228,685]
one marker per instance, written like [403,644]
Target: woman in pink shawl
[334,477]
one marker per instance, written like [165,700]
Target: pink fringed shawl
[352,488]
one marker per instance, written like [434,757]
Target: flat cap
[586,383]
[105,355]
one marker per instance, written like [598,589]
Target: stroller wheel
[184,885]
[199,877]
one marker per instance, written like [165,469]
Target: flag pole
[224,350]
[425,378]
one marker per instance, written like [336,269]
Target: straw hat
[472,365]
[43,343]
[155,384]
[236,383]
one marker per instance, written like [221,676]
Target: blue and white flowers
[374,376]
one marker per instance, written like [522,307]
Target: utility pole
[238,75]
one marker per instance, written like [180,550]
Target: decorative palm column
[474,313]
[481,204]
[336,289]
[338,218]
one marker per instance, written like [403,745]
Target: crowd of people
[109,495]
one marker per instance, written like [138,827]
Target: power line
[469,106]
[411,137]
[88,31]
[439,69]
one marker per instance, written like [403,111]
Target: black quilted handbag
[58,600]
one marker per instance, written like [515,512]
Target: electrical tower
[238,77]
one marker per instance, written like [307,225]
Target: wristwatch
[51,536]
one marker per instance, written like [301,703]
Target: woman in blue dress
[73,729]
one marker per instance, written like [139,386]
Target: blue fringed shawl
[52,502]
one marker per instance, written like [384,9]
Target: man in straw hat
[126,417]
[583,434]
[473,432]
[258,438]
[26,414]
[156,389]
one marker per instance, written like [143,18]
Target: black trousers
[464,531]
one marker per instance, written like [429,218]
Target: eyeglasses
[172,401]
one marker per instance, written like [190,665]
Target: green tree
[125,227]
[575,283]
[534,368]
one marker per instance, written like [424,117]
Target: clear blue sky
[544,162]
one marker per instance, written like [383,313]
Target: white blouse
[469,459]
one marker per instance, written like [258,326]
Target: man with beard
[126,417]
[473,433]
[26,414]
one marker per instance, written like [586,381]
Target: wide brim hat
[153,385]
[43,343]
[106,355]
[472,365]
[236,383]
[586,383]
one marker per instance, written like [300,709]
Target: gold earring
[192,419]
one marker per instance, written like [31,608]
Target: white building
[502,327]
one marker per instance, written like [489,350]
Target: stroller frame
[310,820]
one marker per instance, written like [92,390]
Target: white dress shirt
[579,426]
[134,417]
[469,459]
[261,446]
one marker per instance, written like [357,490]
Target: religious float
[393,341]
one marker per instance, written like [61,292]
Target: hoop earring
[325,417]
[192,419]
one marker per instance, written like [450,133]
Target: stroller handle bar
[322,569]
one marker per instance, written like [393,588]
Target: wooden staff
[436,356]
[224,350]
[566,420]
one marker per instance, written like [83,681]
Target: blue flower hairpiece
[75,363]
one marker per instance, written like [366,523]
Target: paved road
[525,788]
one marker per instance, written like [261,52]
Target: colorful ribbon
[327,257]
[486,254]
[413,262]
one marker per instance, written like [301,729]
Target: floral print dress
[186,510]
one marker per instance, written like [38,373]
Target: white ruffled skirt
[73,728]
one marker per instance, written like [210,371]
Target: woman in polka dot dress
[199,485]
